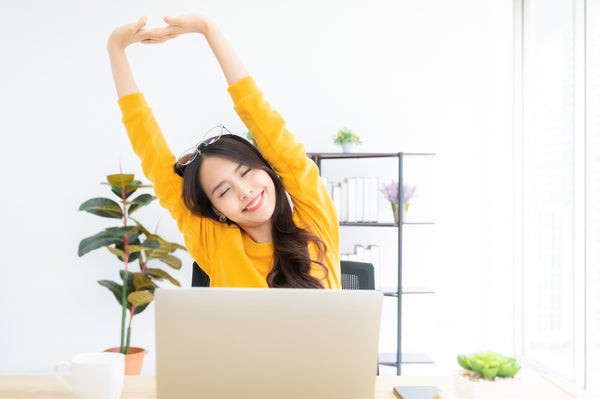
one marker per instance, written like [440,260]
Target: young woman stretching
[229,199]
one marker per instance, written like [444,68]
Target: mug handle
[60,377]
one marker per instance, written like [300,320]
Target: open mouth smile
[255,204]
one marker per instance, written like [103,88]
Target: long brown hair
[291,258]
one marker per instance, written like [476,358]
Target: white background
[426,76]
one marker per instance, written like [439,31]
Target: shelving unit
[399,358]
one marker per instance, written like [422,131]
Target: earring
[222,218]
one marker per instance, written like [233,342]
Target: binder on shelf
[344,201]
[352,214]
[337,200]
[359,193]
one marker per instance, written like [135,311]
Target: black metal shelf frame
[399,358]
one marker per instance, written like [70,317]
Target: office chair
[199,277]
[357,275]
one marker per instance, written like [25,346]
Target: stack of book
[356,199]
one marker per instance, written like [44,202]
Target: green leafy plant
[346,136]
[130,243]
[250,138]
[490,364]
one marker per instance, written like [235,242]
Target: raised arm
[230,63]
[118,41]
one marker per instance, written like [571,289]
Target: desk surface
[143,387]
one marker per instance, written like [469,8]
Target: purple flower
[390,191]
[408,192]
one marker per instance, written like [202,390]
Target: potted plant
[390,191]
[347,139]
[130,242]
[488,375]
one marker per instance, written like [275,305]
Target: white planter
[348,147]
[500,388]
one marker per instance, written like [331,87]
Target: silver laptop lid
[266,343]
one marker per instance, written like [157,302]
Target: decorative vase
[395,210]
[133,360]
[348,147]
[404,212]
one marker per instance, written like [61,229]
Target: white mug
[95,375]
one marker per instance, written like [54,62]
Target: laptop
[254,343]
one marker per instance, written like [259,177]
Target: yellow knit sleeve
[157,160]
[313,207]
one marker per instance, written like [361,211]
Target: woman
[229,199]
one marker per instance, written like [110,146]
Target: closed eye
[246,172]
[223,193]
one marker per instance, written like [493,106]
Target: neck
[260,235]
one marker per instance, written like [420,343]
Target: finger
[158,40]
[170,20]
[157,32]
[141,22]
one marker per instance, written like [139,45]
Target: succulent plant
[490,364]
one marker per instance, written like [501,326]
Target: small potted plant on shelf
[130,242]
[488,375]
[347,139]
[390,191]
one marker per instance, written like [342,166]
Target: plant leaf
[171,260]
[138,309]
[142,283]
[463,361]
[489,372]
[115,251]
[159,274]
[140,201]
[163,250]
[119,179]
[140,298]
[143,229]
[115,288]
[134,248]
[120,231]
[132,239]
[102,207]
[102,239]
[130,275]
[175,246]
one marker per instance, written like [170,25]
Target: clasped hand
[134,32]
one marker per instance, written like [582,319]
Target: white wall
[429,76]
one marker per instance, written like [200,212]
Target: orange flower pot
[133,360]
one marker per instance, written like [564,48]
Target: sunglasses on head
[192,153]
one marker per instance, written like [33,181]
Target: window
[548,184]
[560,175]
[592,183]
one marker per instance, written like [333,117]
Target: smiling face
[243,194]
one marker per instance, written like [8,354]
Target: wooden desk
[143,387]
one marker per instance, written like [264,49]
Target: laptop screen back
[266,343]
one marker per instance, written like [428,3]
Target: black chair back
[199,277]
[357,275]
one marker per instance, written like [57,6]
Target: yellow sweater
[226,253]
